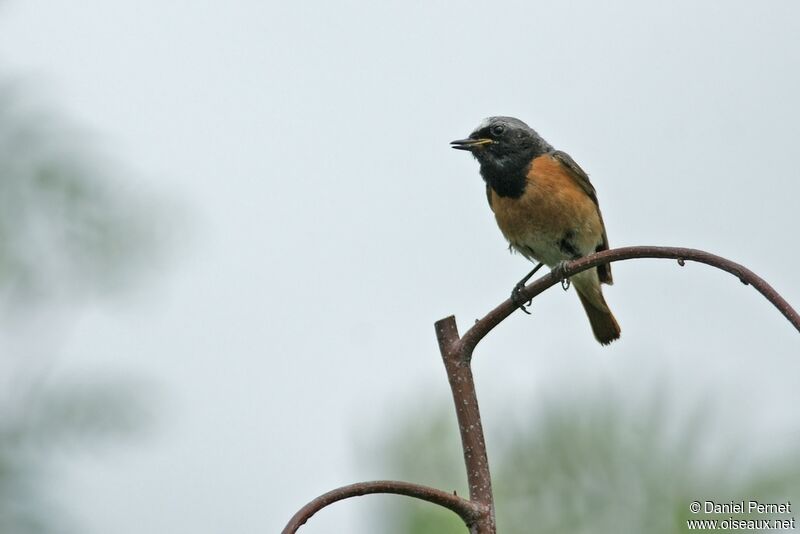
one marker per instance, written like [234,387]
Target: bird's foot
[559,271]
[515,293]
[517,299]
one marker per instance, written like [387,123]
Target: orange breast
[552,206]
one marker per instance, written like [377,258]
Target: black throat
[508,174]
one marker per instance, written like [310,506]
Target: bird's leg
[558,271]
[515,298]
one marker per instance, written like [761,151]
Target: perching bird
[546,208]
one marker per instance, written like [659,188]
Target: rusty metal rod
[466,510]
[462,386]
[478,331]
[478,512]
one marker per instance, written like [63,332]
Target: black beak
[470,144]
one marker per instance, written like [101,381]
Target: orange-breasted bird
[545,207]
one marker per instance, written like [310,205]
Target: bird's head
[503,142]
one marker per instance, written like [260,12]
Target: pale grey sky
[331,224]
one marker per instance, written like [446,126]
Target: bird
[546,208]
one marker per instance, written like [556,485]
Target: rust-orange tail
[604,325]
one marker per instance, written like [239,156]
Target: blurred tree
[67,232]
[595,465]
[57,420]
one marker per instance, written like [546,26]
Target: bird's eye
[498,129]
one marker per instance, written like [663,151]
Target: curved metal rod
[457,353]
[469,511]
[472,337]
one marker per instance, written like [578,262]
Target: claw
[520,286]
[515,298]
[558,271]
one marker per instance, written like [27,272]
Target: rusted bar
[462,385]
[478,331]
[468,511]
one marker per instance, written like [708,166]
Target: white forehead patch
[484,123]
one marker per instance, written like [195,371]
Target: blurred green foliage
[67,232]
[596,464]
[60,421]
[66,229]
